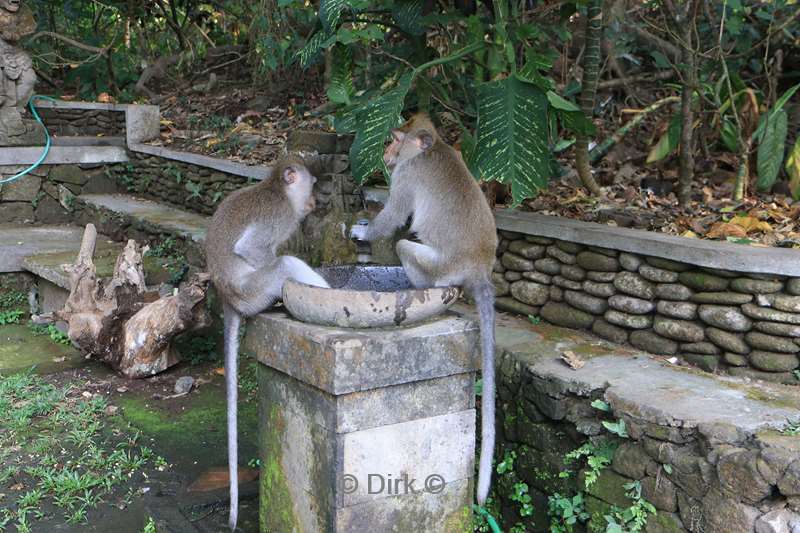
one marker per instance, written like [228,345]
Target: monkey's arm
[393,215]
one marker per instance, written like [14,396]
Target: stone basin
[365,296]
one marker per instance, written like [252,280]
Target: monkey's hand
[358,232]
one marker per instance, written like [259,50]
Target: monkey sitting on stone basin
[241,254]
[458,239]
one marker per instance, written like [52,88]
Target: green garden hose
[489,518]
[46,145]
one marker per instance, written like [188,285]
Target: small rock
[728,318]
[762,341]
[590,304]
[683,310]
[709,363]
[658,275]
[703,282]
[793,286]
[530,293]
[728,341]
[569,247]
[778,521]
[673,291]
[597,262]
[515,262]
[560,255]
[734,359]
[667,264]
[508,304]
[601,290]
[631,304]
[556,293]
[789,484]
[567,283]
[544,241]
[629,321]
[784,302]
[635,285]
[538,277]
[573,272]
[631,460]
[601,277]
[772,315]
[512,275]
[701,348]
[184,384]
[526,249]
[548,265]
[501,286]
[610,332]
[498,267]
[773,361]
[630,262]
[651,342]
[722,298]
[564,315]
[755,286]
[776,328]
[679,330]
[111,410]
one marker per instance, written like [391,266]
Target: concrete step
[81,140]
[165,218]
[18,241]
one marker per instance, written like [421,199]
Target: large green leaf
[315,44]
[341,88]
[775,109]
[793,169]
[330,12]
[407,15]
[771,149]
[374,121]
[512,136]
[668,142]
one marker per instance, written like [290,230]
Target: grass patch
[57,456]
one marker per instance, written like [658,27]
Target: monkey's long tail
[232,321]
[483,293]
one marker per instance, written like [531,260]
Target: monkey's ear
[398,134]
[424,140]
[289,175]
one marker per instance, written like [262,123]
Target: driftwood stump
[122,323]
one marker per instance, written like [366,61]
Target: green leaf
[668,142]
[561,103]
[374,121]
[407,15]
[577,122]
[730,136]
[563,144]
[793,170]
[315,43]
[330,12]
[771,149]
[341,85]
[775,109]
[601,405]
[512,136]
[617,428]
[660,59]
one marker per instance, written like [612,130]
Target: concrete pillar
[365,430]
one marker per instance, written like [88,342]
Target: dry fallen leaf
[220,371]
[749,224]
[217,478]
[725,229]
[572,360]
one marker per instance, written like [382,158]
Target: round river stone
[573,272]
[598,262]
[703,282]
[564,315]
[603,329]
[548,265]
[734,359]
[567,283]
[684,310]
[526,249]
[722,298]
[680,330]
[601,290]
[530,293]
[569,247]
[501,286]
[771,343]
[630,304]
[629,321]
[515,262]
[728,341]
[793,286]
[601,277]
[772,315]
[590,304]
[630,262]
[659,275]
[651,342]
[561,255]
[755,286]
[776,328]
[635,285]
[673,291]
[704,348]
[667,264]
[724,317]
[773,362]
[538,277]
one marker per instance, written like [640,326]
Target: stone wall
[46,195]
[711,472]
[65,122]
[746,324]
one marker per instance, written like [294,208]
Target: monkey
[458,239]
[241,256]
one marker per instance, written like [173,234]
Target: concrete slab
[223,165]
[711,254]
[172,220]
[63,155]
[18,241]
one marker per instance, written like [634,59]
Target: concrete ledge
[88,141]
[88,106]
[710,254]
[223,165]
[62,155]
[142,122]
[18,241]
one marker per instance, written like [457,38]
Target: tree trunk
[591,66]
[119,320]
[686,172]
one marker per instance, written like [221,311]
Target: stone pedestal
[365,430]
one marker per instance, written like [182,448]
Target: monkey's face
[300,188]
[393,150]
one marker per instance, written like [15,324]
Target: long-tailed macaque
[454,223]
[241,254]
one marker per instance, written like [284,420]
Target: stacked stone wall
[745,324]
[66,122]
[712,477]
